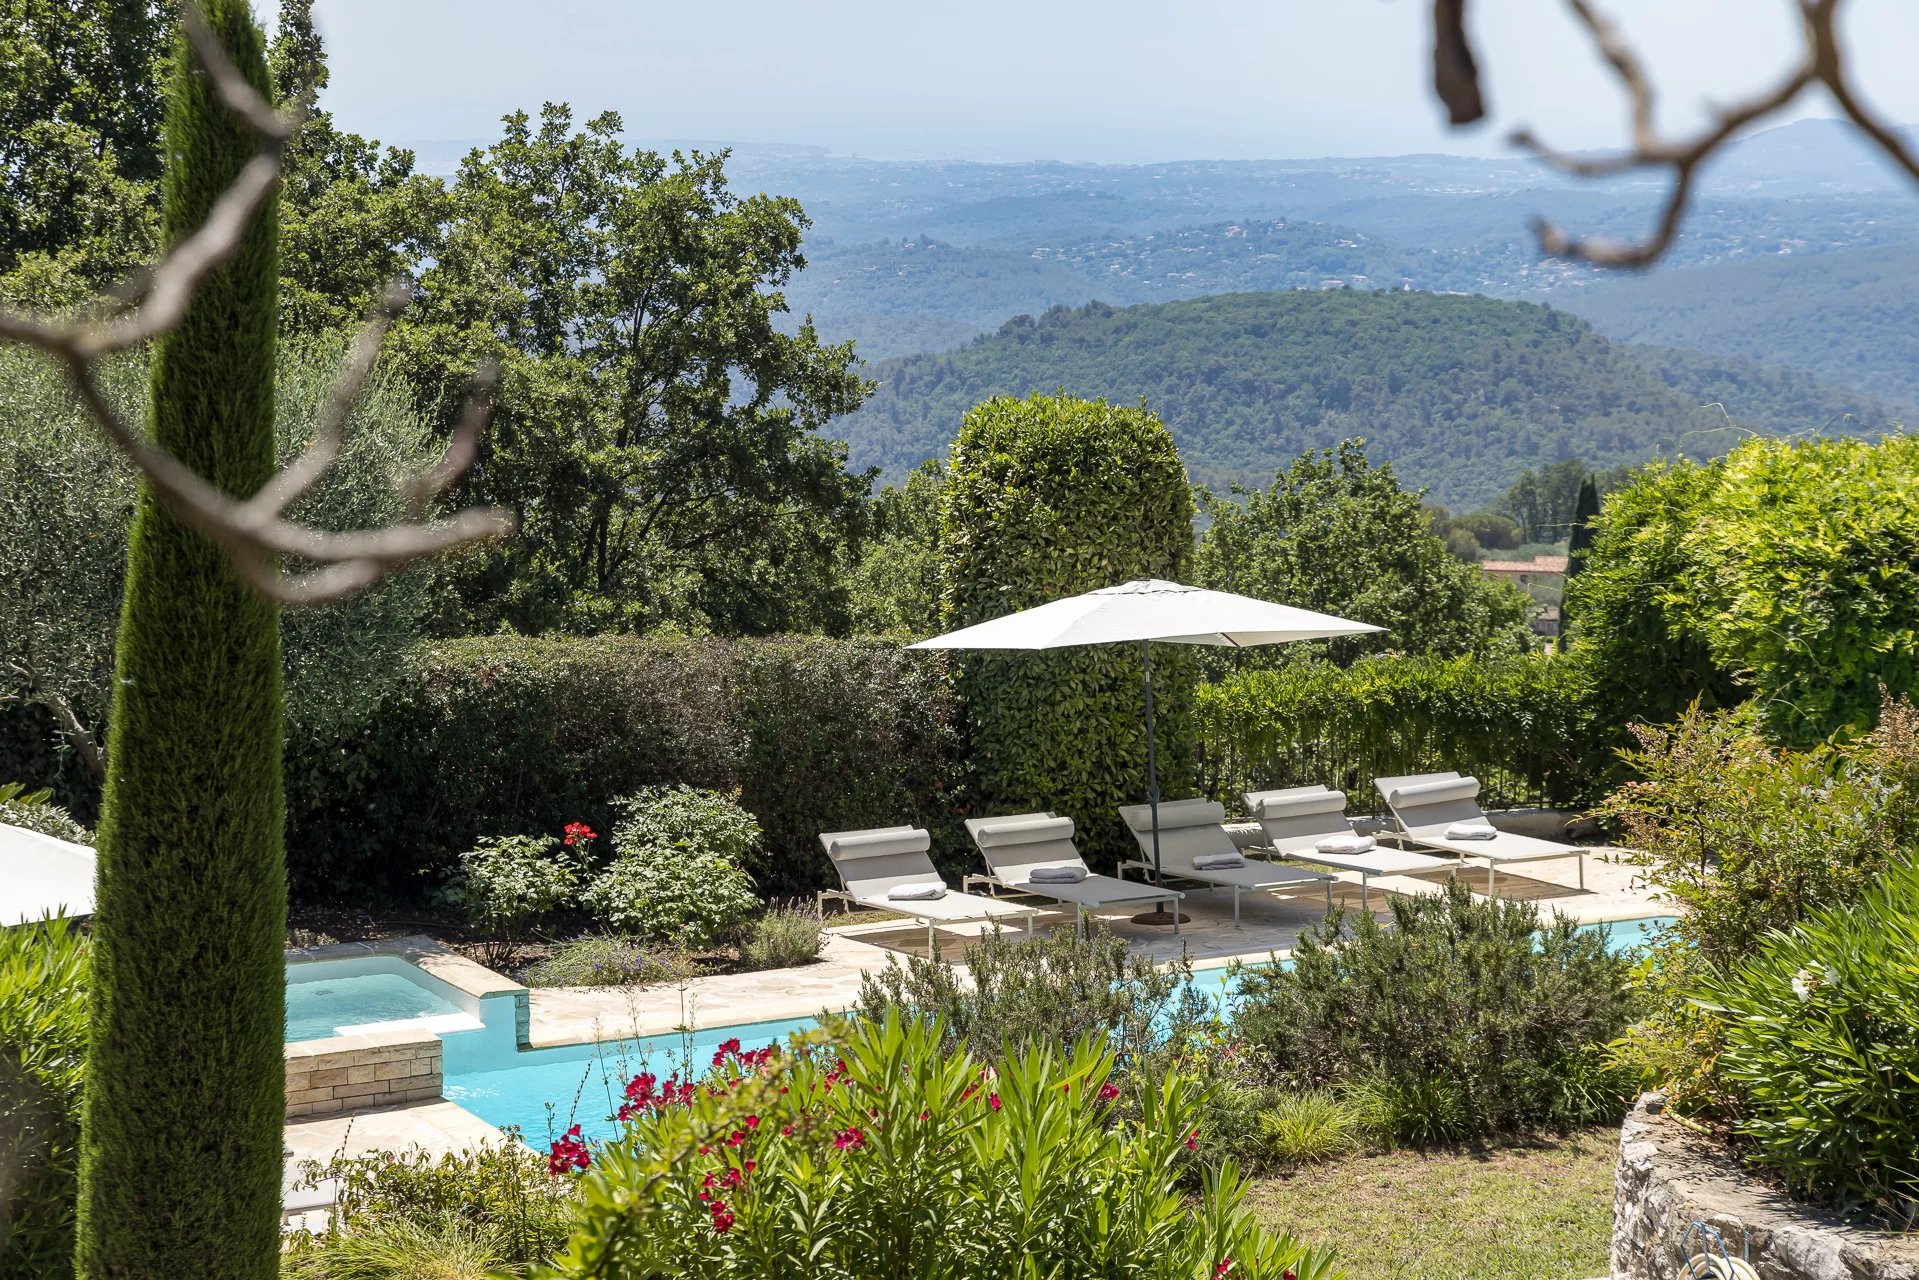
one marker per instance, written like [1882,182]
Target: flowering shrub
[676,876]
[886,1155]
[510,882]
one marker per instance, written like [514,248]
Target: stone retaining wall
[1670,1177]
[352,1073]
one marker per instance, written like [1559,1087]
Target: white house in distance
[41,876]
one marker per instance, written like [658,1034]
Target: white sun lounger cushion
[921,892]
[1472,831]
[1056,875]
[1174,814]
[995,834]
[1352,842]
[1425,793]
[1217,862]
[874,844]
[1275,804]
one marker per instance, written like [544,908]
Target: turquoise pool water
[319,1004]
[545,1091]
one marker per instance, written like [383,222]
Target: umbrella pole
[1159,915]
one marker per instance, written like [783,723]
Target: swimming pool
[341,996]
[544,1091]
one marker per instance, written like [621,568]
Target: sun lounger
[1297,819]
[1024,844]
[1190,829]
[1425,806]
[873,863]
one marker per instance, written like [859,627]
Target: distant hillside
[1850,317]
[1460,393]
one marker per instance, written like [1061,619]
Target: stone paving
[1269,925]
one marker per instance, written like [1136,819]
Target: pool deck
[1270,925]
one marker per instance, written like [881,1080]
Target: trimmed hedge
[1049,497]
[1523,726]
[508,735]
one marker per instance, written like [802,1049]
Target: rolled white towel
[1056,875]
[1351,842]
[1218,862]
[916,892]
[1472,831]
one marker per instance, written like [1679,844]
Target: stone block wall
[352,1073]
[1670,1177]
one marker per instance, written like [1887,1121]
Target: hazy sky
[1119,80]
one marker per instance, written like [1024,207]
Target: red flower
[752,1122]
[1192,1140]
[992,1100]
[569,1154]
[1225,1265]
[848,1139]
[786,1131]
[578,831]
[1290,1275]
[1108,1091]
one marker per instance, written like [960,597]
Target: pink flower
[849,1139]
[1192,1140]
[992,1100]
[1225,1265]
[1108,1091]
[569,1154]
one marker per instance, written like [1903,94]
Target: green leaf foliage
[676,877]
[504,733]
[897,1157]
[1462,393]
[1457,1014]
[1337,535]
[43,1042]
[1821,1046]
[508,882]
[35,811]
[1523,726]
[1783,571]
[1047,498]
[180,1161]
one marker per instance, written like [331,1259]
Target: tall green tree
[1585,511]
[895,585]
[354,217]
[1336,534]
[1046,498]
[656,425]
[184,1099]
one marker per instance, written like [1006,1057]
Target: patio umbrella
[1147,610]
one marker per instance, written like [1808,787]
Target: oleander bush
[505,733]
[677,876]
[888,1153]
[1819,1046]
[43,1038]
[1464,1017]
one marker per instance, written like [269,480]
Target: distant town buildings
[1538,571]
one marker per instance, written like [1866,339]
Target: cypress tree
[180,1160]
[1585,511]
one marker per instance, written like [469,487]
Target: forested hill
[1459,393]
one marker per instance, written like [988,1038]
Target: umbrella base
[1162,916]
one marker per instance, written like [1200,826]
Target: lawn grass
[1540,1210]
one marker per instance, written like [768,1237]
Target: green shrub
[1782,570]
[494,1202]
[35,811]
[505,733]
[1307,1127]
[1751,837]
[1821,1047]
[1457,1000]
[675,877]
[1051,990]
[1422,1110]
[1522,726]
[785,936]
[906,1158]
[601,960]
[1046,498]
[509,882]
[43,1040]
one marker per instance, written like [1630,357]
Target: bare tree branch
[1455,70]
[254,531]
[1823,63]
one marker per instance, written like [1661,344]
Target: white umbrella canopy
[1149,609]
[1144,611]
